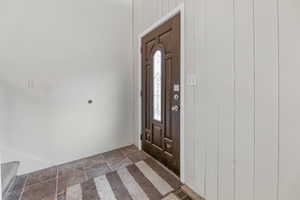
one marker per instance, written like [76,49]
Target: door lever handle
[175,108]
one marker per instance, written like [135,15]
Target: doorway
[161,92]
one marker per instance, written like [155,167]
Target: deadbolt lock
[176,97]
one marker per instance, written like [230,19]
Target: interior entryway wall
[241,126]
[55,56]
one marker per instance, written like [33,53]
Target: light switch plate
[191,79]
[30,84]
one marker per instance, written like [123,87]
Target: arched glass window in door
[157,84]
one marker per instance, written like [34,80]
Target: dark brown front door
[161,93]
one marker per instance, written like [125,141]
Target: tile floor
[52,183]
[46,183]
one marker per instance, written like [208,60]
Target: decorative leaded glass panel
[157,84]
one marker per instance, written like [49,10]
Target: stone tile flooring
[46,183]
[52,183]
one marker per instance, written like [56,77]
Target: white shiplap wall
[241,120]
[289,70]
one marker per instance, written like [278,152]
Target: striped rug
[144,180]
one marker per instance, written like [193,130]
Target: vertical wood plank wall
[241,119]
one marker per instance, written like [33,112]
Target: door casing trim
[178,9]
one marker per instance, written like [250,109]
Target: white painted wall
[289,70]
[2,116]
[241,127]
[70,52]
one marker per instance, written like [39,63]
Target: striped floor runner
[144,180]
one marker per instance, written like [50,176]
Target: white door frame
[179,9]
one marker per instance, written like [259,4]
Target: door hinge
[141,136]
[141,93]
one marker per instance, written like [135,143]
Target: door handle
[175,108]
